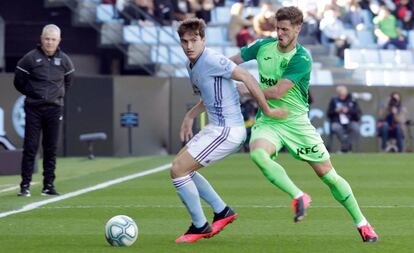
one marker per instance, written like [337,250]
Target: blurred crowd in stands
[327,22]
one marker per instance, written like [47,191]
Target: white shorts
[213,143]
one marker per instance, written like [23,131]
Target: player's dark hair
[193,25]
[291,13]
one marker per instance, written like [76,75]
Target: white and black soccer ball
[121,230]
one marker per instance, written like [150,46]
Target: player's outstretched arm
[240,74]
[186,131]
[237,59]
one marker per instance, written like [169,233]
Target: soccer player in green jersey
[284,70]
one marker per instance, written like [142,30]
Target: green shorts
[298,136]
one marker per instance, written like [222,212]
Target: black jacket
[44,79]
[354,111]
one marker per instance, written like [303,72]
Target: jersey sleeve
[219,65]
[22,73]
[69,70]
[299,67]
[249,52]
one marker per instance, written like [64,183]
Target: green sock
[274,172]
[342,192]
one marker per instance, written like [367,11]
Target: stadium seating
[111,34]
[105,13]
[216,36]
[220,15]
[160,44]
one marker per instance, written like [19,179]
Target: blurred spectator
[391,123]
[164,11]
[264,23]
[333,33]
[219,3]
[202,9]
[387,31]
[182,9]
[310,33]
[339,9]
[137,10]
[357,18]
[344,115]
[254,3]
[404,14]
[244,37]
[237,23]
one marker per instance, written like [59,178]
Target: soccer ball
[121,230]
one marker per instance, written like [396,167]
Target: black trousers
[45,120]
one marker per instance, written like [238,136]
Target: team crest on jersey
[284,63]
[57,61]
[223,61]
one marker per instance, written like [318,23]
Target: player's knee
[330,178]
[176,168]
[259,155]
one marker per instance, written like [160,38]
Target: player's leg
[182,166]
[208,146]
[221,143]
[52,118]
[33,130]
[207,192]
[342,192]
[264,144]
[261,154]
[223,214]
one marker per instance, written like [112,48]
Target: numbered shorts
[298,136]
[213,143]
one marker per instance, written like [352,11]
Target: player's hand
[278,113]
[186,131]
[242,89]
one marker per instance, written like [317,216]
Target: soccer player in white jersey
[211,77]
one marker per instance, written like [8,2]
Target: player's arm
[237,59]
[22,74]
[299,68]
[279,90]
[186,131]
[240,74]
[69,73]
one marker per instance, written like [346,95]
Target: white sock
[189,195]
[207,192]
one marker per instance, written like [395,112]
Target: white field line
[235,206]
[14,187]
[103,185]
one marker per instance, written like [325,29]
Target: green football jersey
[273,65]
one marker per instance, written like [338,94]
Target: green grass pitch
[382,183]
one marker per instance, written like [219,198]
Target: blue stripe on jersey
[218,97]
[213,145]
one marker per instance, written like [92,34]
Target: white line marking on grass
[235,206]
[38,204]
[15,187]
